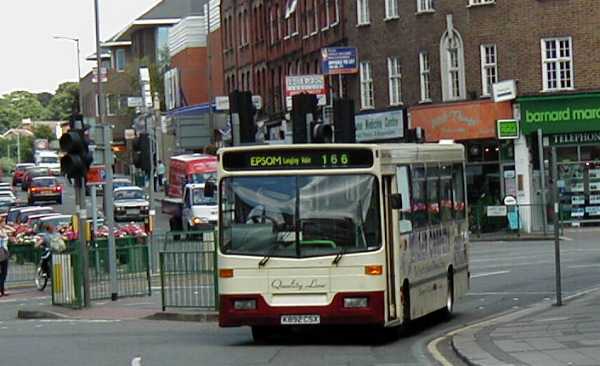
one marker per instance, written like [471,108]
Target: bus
[337,234]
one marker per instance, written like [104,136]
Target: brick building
[264,41]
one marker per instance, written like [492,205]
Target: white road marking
[509,293]
[489,274]
[72,321]
[552,319]
[584,266]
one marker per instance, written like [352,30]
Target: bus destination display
[294,159]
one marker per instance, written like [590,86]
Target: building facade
[438,60]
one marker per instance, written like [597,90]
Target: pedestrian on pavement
[160,170]
[4,257]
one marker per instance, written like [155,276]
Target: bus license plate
[300,319]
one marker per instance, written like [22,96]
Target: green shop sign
[560,114]
[575,138]
[508,129]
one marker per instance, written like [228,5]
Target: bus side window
[446,209]
[458,196]
[403,188]
[419,197]
[433,194]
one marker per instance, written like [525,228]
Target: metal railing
[188,274]
[23,263]
[66,286]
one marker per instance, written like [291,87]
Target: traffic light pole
[80,192]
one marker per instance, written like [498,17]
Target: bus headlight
[199,220]
[244,304]
[356,302]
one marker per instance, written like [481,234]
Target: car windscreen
[119,184]
[130,194]
[49,160]
[49,182]
[198,198]
[202,177]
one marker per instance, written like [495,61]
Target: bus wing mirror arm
[396,201]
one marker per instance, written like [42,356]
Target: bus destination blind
[298,159]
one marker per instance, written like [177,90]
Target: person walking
[160,171]
[4,257]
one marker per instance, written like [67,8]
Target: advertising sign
[103,75]
[339,60]
[508,129]
[496,211]
[564,114]
[379,126]
[504,90]
[309,84]
[222,103]
[96,175]
[460,121]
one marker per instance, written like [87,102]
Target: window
[424,70]
[391,9]
[489,68]
[557,63]
[316,16]
[446,211]
[395,78]
[334,12]
[278,20]
[272,26]
[424,6]
[112,105]
[419,197]
[481,2]
[120,59]
[162,46]
[458,188]
[366,85]
[453,66]
[362,12]
[433,194]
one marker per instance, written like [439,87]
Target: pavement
[543,334]
[127,308]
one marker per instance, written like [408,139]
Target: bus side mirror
[396,201]
[209,189]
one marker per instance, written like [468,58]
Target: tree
[64,102]
[18,105]
[157,81]
[44,98]
[43,132]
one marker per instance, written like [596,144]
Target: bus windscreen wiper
[339,255]
[268,255]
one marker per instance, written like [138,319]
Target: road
[505,276]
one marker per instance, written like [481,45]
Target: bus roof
[192,157]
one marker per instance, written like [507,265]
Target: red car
[19,172]
[31,173]
[45,189]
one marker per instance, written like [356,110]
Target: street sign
[96,175]
[507,129]
[134,102]
[103,74]
[309,84]
[339,60]
[496,211]
[222,103]
[504,90]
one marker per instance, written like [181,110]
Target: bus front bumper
[333,314]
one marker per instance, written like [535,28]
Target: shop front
[381,126]
[490,166]
[569,127]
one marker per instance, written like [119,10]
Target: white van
[47,159]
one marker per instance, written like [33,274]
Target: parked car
[19,171]
[118,182]
[33,173]
[31,220]
[56,220]
[6,203]
[23,213]
[9,194]
[130,204]
[45,189]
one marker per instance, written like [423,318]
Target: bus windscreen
[293,159]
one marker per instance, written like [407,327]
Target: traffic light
[321,132]
[141,152]
[304,112]
[343,117]
[240,103]
[75,144]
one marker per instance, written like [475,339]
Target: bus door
[388,220]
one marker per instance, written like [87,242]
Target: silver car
[130,204]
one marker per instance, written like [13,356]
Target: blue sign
[339,60]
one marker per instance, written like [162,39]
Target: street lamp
[76,40]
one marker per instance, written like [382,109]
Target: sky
[32,60]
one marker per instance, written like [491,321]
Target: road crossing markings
[489,274]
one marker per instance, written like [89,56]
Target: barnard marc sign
[560,114]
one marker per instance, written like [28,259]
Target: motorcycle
[43,272]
